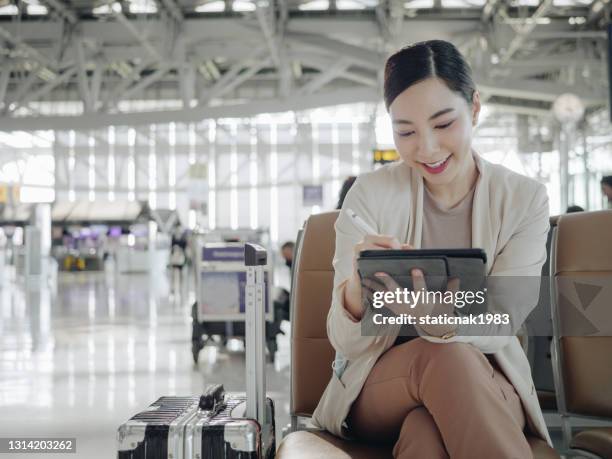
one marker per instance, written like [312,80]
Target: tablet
[437,265]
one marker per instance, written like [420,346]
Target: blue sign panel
[223,253]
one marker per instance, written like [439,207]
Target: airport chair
[312,353]
[582,263]
[539,348]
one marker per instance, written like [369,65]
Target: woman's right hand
[352,291]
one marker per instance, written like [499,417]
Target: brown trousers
[439,401]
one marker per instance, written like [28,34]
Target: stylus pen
[359,223]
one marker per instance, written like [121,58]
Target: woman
[440,394]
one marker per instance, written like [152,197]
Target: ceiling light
[297,69]
[37,10]
[9,10]
[102,9]
[205,73]
[216,6]
[46,74]
[314,5]
[350,5]
[243,5]
[143,7]
[213,70]
[418,4]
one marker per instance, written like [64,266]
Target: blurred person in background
[606,189]
[177,262]
[346,186]
[287,252]
[282,300]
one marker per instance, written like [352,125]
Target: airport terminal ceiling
[152,61]
[119,100]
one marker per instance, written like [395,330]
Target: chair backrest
[581,281]
[311,351]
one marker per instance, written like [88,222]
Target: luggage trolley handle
[255,258]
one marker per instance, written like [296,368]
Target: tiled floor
[81,356]
[78,359]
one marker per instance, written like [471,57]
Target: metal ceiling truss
[273,59]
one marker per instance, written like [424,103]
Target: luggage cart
[219,309]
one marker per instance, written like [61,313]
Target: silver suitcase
[215,424]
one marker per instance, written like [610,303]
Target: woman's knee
[455,359]
[419,437]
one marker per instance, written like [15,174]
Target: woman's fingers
[372,284]
[387,280]
[418,280]
[453,284]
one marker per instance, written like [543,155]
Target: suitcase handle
[254,255]
[213,397]
[255,259]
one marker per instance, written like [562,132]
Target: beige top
[447,228]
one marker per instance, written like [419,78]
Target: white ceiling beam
[98,120]
[63,10]
[390,17]
[146,81]
[137,34]
[359,77]
[24,89]
[5,73]
[508,108]
[47,88]
[122,87]
[82,76]
[520,38]
[266,19]
[488,10]
[358,55]
[231,74]
[568,35]
[325,77]
[323,63]
[537,90]
[96,84]
[187,75]
[285,73]
[553,61]
[596,11]
[25,49]
[239,79]
[173,9]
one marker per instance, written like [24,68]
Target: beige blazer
[509,222]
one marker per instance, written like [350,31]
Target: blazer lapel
[482,227]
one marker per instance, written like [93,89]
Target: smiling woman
[434,106]
[395,387]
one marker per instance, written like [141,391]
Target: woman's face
[432,130]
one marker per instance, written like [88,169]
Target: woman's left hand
[421,308]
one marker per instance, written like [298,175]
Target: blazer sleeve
[515,276]
[344,331]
